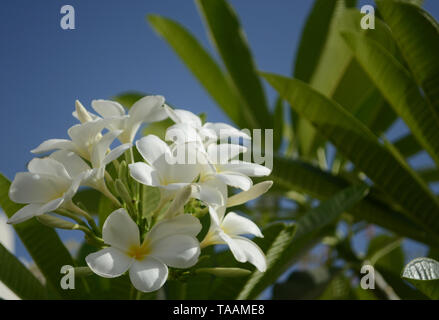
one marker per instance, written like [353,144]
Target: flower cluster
[194,169]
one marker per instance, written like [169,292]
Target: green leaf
[150,200]
[225,272]
[400,90]
[349,85]
[423,273]
[356,142]
[339,288]
[43,244]
[201,64]
[304,284]
[302,177]
[288,247]
[89,198]
[278,124]
[429,174]
[18,278]
[228,37]
[408,145]
[385,252]
[417,34]
[313,39]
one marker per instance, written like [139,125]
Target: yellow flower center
[139,252]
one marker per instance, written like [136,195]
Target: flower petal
[222,153]
[50,206]
[29,187]
[252,252]
[120,231]
[225,131]
[245,196]
[116,153]
[152,148]
[100,148]
[235,179]
[145,107]
[234,224]
[109,262]
[25,213]
[107,108]
[148,275]
[183,116]
[48,166]
[209,194]
[53,144]
[144,174]
[181,133]
[178,251]
[82,134]
[234,247]
[217,214]
[71,162]
[247,168]
[184,224]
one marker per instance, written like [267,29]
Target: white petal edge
[109,262]
[107,108]
[143,173]
[178,251]
[151,148]
[120,230]
[252,252]
[184,224]
[234,224]
[25,213]
[148,275]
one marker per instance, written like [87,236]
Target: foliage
[336,175]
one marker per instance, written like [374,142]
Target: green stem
[71,206]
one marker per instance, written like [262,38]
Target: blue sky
[44,69]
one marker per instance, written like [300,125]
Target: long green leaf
[423,273]
[313,39]
[388,171]
[302,177]
[288,247]
[202,65]
[400,90]
[341,78]
[18,278]
[417,34]
[228,37]
[43,244]
[408,145]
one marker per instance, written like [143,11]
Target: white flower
[83,139]
[163,169]
[232,172]
[189,128]
[46,187]
[147,109]
[227,229]
[169,243]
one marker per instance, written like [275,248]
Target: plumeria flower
[189,128]
[162,167]
[170,242]
[227,229]
[83,139]
[148,109]
[232,172]
[46,187]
